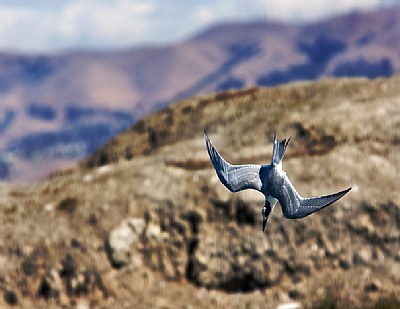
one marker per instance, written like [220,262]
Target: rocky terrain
[145,223]
[57,108]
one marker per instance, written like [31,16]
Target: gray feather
[279,150]
[294,206]
[234,177]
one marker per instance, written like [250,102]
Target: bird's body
[272,181]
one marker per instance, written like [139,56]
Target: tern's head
[265,212]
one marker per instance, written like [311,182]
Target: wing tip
[339,194]
[208,142]
[346,191]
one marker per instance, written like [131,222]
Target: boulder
[229,261]
[121,240]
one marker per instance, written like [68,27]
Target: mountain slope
[58,108]
[153,227]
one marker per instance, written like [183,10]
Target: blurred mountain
[55,109]
[145,222]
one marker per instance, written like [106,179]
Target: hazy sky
[53,25]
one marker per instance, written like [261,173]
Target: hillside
[56,109]
[144,222]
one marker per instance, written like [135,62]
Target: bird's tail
[279,150]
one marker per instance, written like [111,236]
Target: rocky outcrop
[122,239]
[224,248]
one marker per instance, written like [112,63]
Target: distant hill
[56,109]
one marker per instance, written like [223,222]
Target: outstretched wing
[234,177]
[294,206]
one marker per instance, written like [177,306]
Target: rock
[153,231]
[344,264]
[50,286]
[92,219]
[195,217]
[75,243]
[289,306]
[293,266]
[69,267]
[82,305]
[378,256]
[373,286]
[46,289]
[68,205]
[121,240]
[136,260]
[87,178]
[166,253]
[339,214]
[245,214]
[28,266]
[366,224]
[161,248]
[294,294]
[332,250]
[229,261]
[48,207]
[137,225]
[362,257]
[10,297]
[104,169]
[79,282]
[397,256]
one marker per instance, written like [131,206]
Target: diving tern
[270,180]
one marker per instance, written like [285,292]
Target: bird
[272,181]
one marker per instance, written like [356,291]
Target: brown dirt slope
[145,223]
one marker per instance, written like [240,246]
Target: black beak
[264,223]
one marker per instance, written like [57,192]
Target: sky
[56,25]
